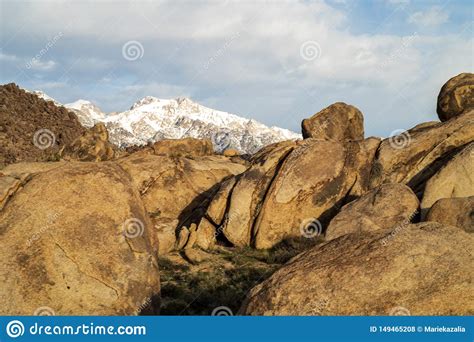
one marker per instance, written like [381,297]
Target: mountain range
[151,119]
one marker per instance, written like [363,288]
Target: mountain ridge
[151,119]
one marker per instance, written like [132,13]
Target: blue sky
[274,61]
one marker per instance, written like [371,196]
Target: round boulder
[456,96]
[339,122]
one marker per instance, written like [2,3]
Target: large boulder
[456,96]
[249,192]
[422,269]
[76,239]
[384,207]
[311,185]
[457,211]
[414,156]
[92,145]
[339,122]
[455,179]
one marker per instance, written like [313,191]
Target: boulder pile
[82,226]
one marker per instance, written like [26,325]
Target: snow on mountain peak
[151,119]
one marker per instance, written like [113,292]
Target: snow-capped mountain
[87,112]
[151,119]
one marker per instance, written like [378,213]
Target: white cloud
[37,64]
[189,47]
[432,17]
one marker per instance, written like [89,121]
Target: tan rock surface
[339,122]
[92,145]
[424,268]
[249,192]
[457,211]
[455,179]
[456,96]
[385,207]
[183,147]
[309,187]
[76,239]
[413,157]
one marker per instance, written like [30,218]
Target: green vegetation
[223,280]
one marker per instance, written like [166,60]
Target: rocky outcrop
[312,184]
[92,145]
[455,179]
[32,129]
[249,192]
[177,188]
[456,96]
[385,207]
[417,154]
[75,239]
[375,273]
[457,211]
[339,122]
[183,147]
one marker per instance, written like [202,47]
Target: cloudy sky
[274,61]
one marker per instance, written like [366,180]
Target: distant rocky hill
[31,128]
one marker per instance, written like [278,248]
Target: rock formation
[456,211]
[456,96]
[76,239]
[423,268]
[382,208]
[339,122]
